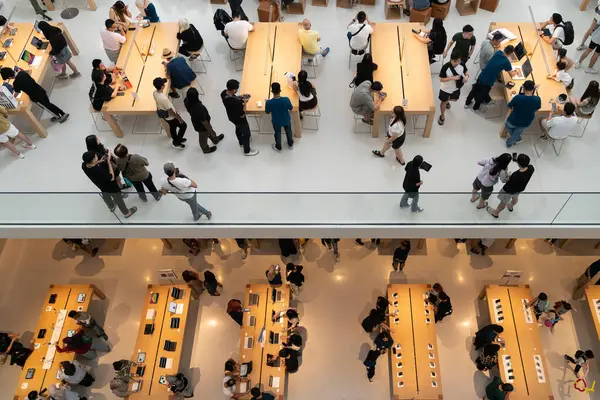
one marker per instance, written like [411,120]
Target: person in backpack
[580,360]
[443,308]
[370,362]
[554,31]
[184,189]
[488,358]
[359,32]
[453,77]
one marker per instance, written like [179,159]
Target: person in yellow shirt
[310,40]
[8,131]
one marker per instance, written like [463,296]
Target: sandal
[484,206]
[441,120]
[378,153]
[476,198]
[401,163]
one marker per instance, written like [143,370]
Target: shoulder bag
[351,35]
[459,83]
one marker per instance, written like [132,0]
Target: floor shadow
[363,351]
[89,266]
[477,261]
[327,261]
[312,251]
[578,247]
[480,381]
[448,248]
[541,247]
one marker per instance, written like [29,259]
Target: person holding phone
[435,39]
[184,189]
[453,76]
[516,184]
[412,183]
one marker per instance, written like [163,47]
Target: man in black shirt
[235,107]
[412,182]
[98,65]
[201,121]
[443,307]
[103,176]
[23,82]
[101,91]
[517,182]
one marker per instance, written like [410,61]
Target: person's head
[361,17]
[183,25]
[170,169]
[523,160]
[255,392]
[399,115]
[33,395]
[376,86]
[304,86]
[497,39]
[592,92]
[98,76]
[589,354]
[98,64]
[189,276]
[233,86]
[508,50]
[291,267]
[417,161]
[467,31]
[90,158]
[7,73]
[296,340]
[276,88]
[497,328]
[500,163]
[437,287]
[443,296]
[562,53]
[92,142]
[543,296]
[119,5]
[569,108]
[437,25]
[110,25]
[44,27]
[68,368]
[561,65]
[236,15]
[306,24]
[455,57]
[507,387]
[367,59]
[230,365]
[528,86]
[556,18]
[271,272]
[566,305]
[159,83]
[121,150]
[118,365]
[230,383]
[192,96]
[404,243]
[167,54]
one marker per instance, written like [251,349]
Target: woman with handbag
[395,136]
[60,52]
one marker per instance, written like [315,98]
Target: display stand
[296,7]
[466,7]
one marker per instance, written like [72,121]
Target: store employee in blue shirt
[481,89]
[279,108]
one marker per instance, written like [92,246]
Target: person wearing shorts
[594,46]
[516,184]
[8,131]
[492,170]
[395,136]
[453,76]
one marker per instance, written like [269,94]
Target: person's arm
[472,47]
[110,168]
[544,24]
[267,107]
[121,38]
[193,184]
[448,46]
[531,303]
[4,112]
[421,39]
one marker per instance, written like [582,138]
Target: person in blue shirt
[178,71]
[147,10]
[279,108]
[523,106]
[481,89]
[258,395]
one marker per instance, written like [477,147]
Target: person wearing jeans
[412,183]
[133,167]
[524,107]
[168,112]
[236,113]
[279,108]
[184,188]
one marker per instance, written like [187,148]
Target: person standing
[493,169]
[39,10]
[580,360]
[82,345]
[488,49]
[370,362]
[201,121]
[412,183]
[487,335]
[435,39]
[133,167]
[465,44]
[516,184]
[178,384]
[453,77]
[561,127]
[540,305]
[194,282]
[395,136]
[332,244]
[60,52]
[443,307]
[589,277]
[103,176]
[167,111]
[481,89]
[212,285]
[274,276]
[401,255]
[236,311]
[9,131]
[85,320]
[243,244]
[184,189]
[236,113]
[279,108]
[112,40]
[23,82]
[295,277]
[523,106]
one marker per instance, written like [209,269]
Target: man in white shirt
[593,46]
[112,40]
[183,188]
[559,128]
[556,35]
[167,111]
[229,387]
[236,31]
[359,33]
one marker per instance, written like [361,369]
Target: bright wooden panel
[256,76]
[386,54]
[416,72]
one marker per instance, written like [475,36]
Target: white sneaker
[582,46]
[31,146]
[577,65]
[275,148]
[21,155]
[251,153]
[591,71]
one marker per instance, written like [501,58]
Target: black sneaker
[174,95]
[183,140]
[132,211]
[219,138]
[210,150]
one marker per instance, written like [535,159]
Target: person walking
[492,170]
[370,362]
[516,184]
[332,244]
[589,277]
[498,390]
[8,131]
[523,108]
[295,277]
[212,285]
[194,282]
[82,345]
[412,183]
[540,305]
[400,255]
[85,320]
[167,111]
[39,10]
[465,44]
[201,121]
[279,108]
[101,173]
[133,167]
[235,106]
[453,77]
[395,136]
[184,189]
[580,360]
[236,311]
[443,307]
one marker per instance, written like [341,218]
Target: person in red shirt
[83,345]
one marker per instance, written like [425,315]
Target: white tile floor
[335,299]
[332,159]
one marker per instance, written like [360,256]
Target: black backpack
[220,19]
[569,32]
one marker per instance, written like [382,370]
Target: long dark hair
[592,92]
[438,25]
[191,99]
[92,144]
[399,115]
[367,60]
[500,163]
[48,30]
[304,86]
[119,8]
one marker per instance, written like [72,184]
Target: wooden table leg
[429,122]
[70,41]
[167,243]
[297,124]
[92,5]
[483,294]
[112,122]
[597,245]
[511,243]
[583,5]
[37,126]
[563,243]
[421,243]
[49,5]
[98,292]
[375,126]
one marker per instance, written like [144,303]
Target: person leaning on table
[435,39]
[120,13]
[498,390]
[366,99]
[178,71]
[60,51]
[184,189]
[557,34]
[112,40]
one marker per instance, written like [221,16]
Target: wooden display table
[53,318]
[141,71]
[548,89]
[320,3]
[259,306]
[414,359]
[22,41]
[592,294]
[159,315]
[407,79]
[523,352]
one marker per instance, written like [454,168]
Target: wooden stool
[420,15]
[440,10]
[489,5]
[263,11]
[297,7]
[344,3]
[320,3]
[394,9]
[467,7]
